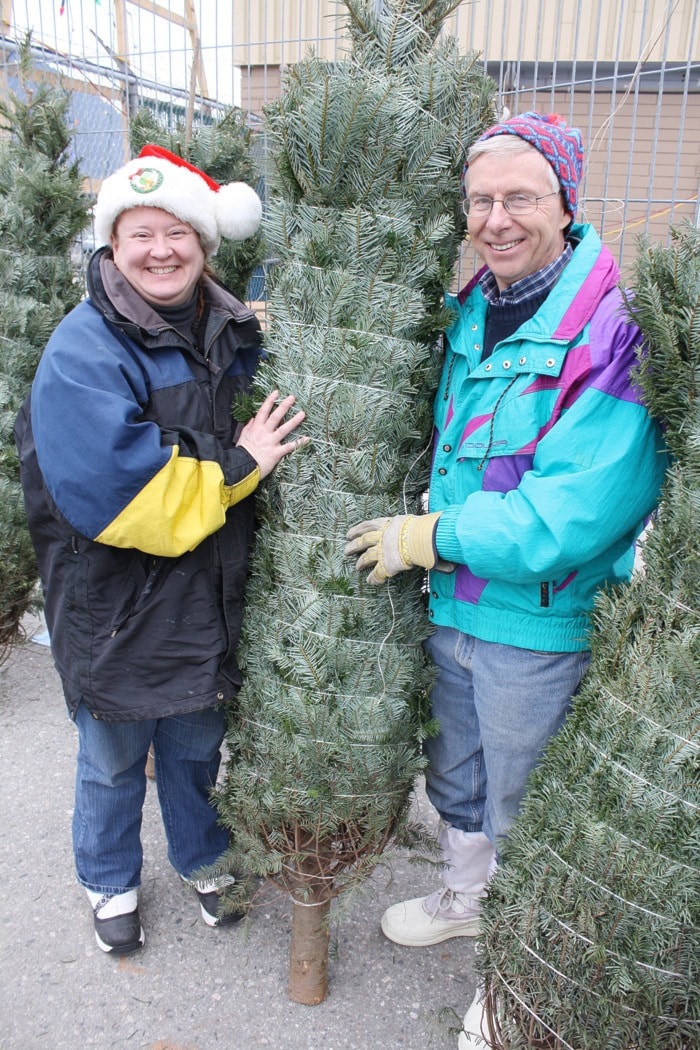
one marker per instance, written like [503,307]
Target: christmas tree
[364,218]
[42,209]
[222,149]
[592,924]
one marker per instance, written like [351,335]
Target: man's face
[514,246]
[160,256]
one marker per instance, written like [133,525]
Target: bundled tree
[42,209]
[222,150]
[592,924]
[365,220]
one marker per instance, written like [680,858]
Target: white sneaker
[430,920]
[209,895]
[474,1026]
[116,919]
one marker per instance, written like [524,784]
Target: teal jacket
[545,465]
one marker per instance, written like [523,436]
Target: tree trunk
[308,956]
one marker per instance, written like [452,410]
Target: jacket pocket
[139,587]
[514,421]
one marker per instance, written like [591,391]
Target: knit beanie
[558,143]
[158,178]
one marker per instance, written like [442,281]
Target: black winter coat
[139,503]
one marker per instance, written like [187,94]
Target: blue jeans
[110,789]
[497,707]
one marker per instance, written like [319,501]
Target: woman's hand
[263,435]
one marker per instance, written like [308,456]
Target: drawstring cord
[446,394]
[493,423]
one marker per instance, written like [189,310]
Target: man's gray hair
[501,144]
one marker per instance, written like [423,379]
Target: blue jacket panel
[141,630]
[546,464]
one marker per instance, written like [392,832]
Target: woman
[138,488]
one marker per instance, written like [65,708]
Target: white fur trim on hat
[232,211]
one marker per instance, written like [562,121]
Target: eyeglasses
[514,203]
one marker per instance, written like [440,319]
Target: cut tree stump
[308,956]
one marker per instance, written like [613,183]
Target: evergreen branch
[42,210]
[364,222]
[592,924]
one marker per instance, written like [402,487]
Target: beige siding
[642,150]
[259,84]
[628,186]
[279,31]
[640,170]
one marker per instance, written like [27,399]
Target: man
[545,467]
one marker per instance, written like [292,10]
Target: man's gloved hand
[395,544]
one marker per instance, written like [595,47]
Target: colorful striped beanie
[558,143]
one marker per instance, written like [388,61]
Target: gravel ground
[191,987]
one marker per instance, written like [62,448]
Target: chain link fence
[627,72]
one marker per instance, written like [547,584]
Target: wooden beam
[122,57]
[188,21]
[197,47]
[122,52]
[163,12]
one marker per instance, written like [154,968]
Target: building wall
[278,32]
[627,72]
[636,179]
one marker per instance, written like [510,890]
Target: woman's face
[160,256]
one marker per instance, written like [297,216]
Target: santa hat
[158,178]
[558,143]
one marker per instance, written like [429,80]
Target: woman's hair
[207,271]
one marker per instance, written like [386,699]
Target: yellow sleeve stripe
[235,493]
[184,503]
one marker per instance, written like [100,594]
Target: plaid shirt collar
[535,284]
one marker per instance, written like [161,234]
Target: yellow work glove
[393,545]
